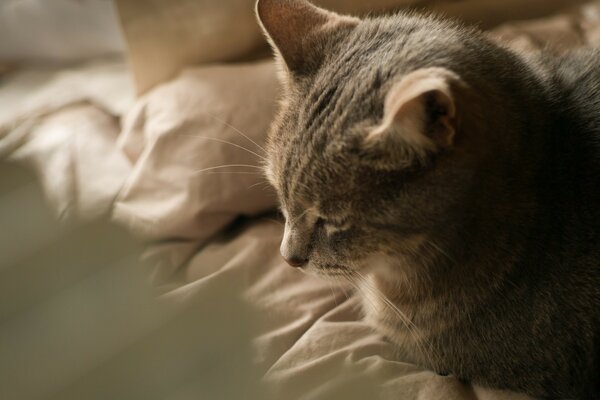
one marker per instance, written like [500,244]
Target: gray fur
[490,247]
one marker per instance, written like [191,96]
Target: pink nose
[296,262]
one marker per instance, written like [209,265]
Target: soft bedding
[179,169]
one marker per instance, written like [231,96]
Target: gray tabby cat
[454,181]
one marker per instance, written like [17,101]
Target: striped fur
[482,256]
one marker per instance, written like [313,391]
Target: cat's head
[371,151]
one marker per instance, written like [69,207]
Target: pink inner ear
[421,109]
[441,113]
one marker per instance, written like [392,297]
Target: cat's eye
[336,223]
[333,224]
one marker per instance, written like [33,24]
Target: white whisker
[368,300]
[231,172]
[265,183]
[440,250]
[227,166]
[226,142]
[333,294]
[236,130]
[410,326]
[347,279]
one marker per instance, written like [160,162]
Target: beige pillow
[164,36]
[559,33]
[180,137]
[489,13]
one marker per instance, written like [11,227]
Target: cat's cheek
[374,263]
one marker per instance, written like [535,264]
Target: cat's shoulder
[579,66]
[576,90]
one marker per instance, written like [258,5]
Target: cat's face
[357,154]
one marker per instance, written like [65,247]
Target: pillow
[63,124]
[73,154]
[559,33]
[164,36]
[197,147]
[58,31]
[490,13]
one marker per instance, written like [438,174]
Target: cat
[454,181]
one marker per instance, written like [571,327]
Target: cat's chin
[327,272]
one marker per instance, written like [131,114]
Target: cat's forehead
[326,110]
[308,213]
[337,194]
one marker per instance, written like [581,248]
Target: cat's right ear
[296,30]
[420,117]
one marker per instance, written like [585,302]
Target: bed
[167,148]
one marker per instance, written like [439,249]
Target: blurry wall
[58,30]
[73,30]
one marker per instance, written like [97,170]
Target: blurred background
[191,32]
[138,238]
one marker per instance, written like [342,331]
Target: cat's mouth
[331,270]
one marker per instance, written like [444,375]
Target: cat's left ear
[297,30]
[420,113]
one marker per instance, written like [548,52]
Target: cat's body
[455,181]
[535,323]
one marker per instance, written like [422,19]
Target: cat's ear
[296,30]
[420,114]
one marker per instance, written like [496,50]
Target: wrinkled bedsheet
[180,168]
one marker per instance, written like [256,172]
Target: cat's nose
[293,248]
[296,262]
